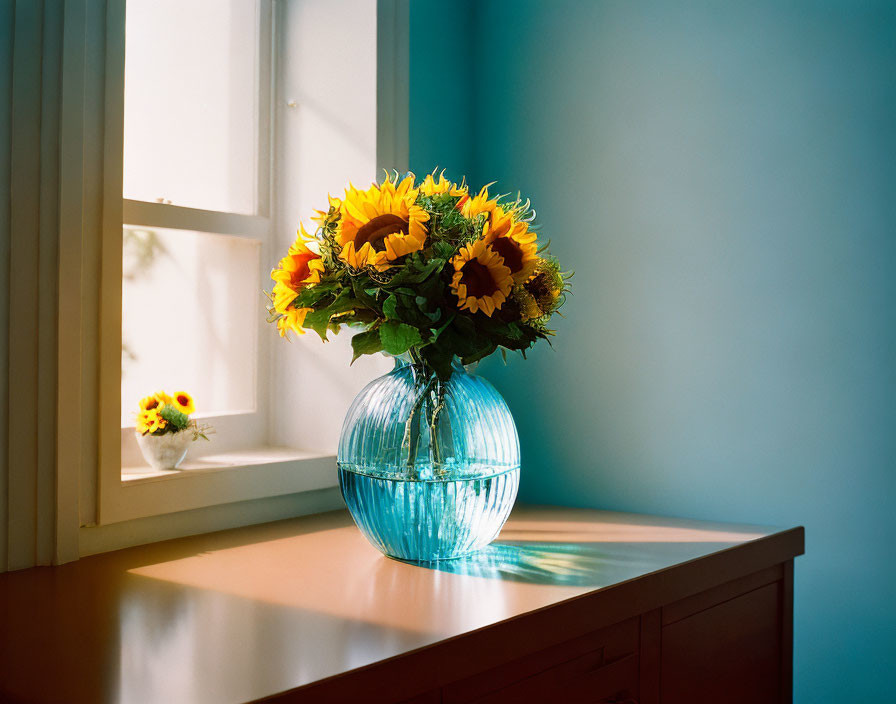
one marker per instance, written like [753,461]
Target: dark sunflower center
[377,229]
[152,404]
[183,400]
[539,287]
[510,250]
[478,279]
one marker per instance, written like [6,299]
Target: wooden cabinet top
[249,613]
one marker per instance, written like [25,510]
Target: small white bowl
[165,451]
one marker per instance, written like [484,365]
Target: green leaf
[364,297]
[434,316]
[390,307]
[361,316]
[174,417]
[443,249]
[343,305]
[484,351]
[366,343]
[465,324]
[431,289]
[344,302]
[318,320]
[312,295]
[439,359]
[409,276]
[464,340]
[440,330]
[398,338]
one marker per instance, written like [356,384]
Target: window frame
[104,498]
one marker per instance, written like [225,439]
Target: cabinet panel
[728,653]
[589,669]
[428,698]
[586,680]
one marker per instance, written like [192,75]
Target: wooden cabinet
[727,644]
[569,607]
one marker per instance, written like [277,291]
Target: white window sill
[224,461]
[212,480]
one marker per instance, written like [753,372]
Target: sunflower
[543,293]
[514,241]
[184,402]
[481,280]
[150,421]
[301,267]
[150,402]
[381,224]
[507,235]
[156,422]
[156,401]
[431,187]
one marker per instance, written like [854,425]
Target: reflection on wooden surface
[242,614]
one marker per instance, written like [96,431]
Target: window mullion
[176,217]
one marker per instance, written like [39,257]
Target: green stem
[422,385]
[435,443]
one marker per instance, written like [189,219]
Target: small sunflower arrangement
[162,414]
[424,269]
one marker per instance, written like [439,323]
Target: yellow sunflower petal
[283,296]
[292,321]
[143,422]
[431,186]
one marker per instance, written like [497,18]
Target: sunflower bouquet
[165,430]
[425,270]
[161,414]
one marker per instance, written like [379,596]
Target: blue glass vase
[429,469]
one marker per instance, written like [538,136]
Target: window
[197,209]
[226,124]
[196,186]
[337,111]
[194,108]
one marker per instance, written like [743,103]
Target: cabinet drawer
[592,668]
[585,680]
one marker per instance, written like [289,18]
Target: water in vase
[429,470]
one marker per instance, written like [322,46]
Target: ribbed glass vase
[429,469]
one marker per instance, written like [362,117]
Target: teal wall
[722,177]
[442,79]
